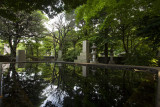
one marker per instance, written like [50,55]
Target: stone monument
[84,55]
[21,57]
[111,57]
[59,56]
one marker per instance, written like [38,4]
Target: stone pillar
[59,65]
[21,57]
[84,55]
[85,47]
[60,56]
[111,57]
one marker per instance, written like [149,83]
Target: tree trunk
[13,53]
[74,46]
[13,46]
[123,39]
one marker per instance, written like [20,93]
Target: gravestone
[60,56]
[111,57]
[21,57]
[84,55]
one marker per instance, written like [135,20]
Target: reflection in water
[55,96]
[62,85]
[21,65]
[84,70]
[93,70]
[1,83]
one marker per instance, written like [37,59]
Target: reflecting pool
[65,85]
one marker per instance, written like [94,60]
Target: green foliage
[47,45]
[123,25]
[92,8]
[50,7]
[25,26]
[1,47]
[8,7]
[128,26]
[143,55]
[72,54]
[149,29]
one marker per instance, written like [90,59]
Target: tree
[50,7]
[149,27]
[60,31]
[116,23]
[72,48]
[27,25]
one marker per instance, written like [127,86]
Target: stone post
[85,47]
[60,56]
[111,57]
[84,55]
[21,57]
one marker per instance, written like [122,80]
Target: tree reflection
[114,88]
[22,89]
[57,85]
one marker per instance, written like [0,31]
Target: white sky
[49,24]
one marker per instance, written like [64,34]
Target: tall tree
[27,25]
[60,30]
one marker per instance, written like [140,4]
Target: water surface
[64,85]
